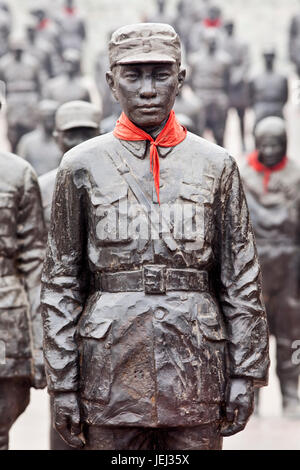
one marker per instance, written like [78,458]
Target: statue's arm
[240,284]
[241,303]
[62,284]
[63,297]
[31,238]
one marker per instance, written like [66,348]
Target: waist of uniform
[153,279]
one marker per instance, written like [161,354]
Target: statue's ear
[181,78]
[110,78]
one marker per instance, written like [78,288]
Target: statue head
[229,27]
[76,122]
[271,140]
[72,61]
[269,55]
[145,72]
[46,112]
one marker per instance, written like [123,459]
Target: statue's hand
[239,406]
[66,418]
[39,378]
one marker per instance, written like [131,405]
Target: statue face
[271,149]
[146,92]
[73,137]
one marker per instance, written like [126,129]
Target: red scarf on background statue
[208,23]
[172,134]
[258,166]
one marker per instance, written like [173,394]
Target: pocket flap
[109,196]
[98,330]
[6,200]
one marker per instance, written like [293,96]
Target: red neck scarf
[43,24]
[172,134]
[70,11]
[258,166]
[212,23]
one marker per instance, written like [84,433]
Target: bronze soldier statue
[22,244]
[69,86]
[71,26]
[269,90]
[75,122]
[5,30]
[41,50]
[155,335]
[272,182]
[294,42]
[20,72]
[210,75]
[239,69]
[39,147]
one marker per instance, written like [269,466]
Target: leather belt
[154,279]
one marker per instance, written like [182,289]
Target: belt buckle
[154,279]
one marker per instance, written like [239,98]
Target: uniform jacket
[22,245]
[142,359]
[275,215]
[40,150]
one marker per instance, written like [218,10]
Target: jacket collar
[141,148]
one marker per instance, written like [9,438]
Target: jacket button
[159,314]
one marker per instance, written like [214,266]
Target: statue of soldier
[5,30]
[294,42]
[188,13]
[21,74]
[70,86]
[75,122]
[269,90]
[39,147]
[211,22]
[41,50]
[151,327]
[22,244]
[210,75]
[239,69]
[160,16]
[271,182]
[71,26]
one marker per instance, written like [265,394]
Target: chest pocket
[7,214]
[110,214]
[192,205]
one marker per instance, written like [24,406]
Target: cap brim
[146,57]
[74,124]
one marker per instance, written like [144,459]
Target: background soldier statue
[294,42]
[272,188]
[20,72]
[39,147]
[210,74]
[239,69]
[75,122]
[269,90]
[71,25]
[70,86]
[138,370]
[21,258]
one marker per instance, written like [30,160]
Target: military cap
[77,114]
[144,42]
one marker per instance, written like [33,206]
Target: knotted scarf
[258,166]
[171,135]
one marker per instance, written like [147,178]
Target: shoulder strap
[127,174]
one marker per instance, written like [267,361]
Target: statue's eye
[131,76]
[162,75]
